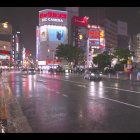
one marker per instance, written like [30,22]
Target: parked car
[31,71]
[93,74]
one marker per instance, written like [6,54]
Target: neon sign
[94,33]
[52,17]
[4,52]
[80,21]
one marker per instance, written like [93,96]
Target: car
[93,74]
[31,71]
[23,70]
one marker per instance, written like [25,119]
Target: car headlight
[100,74]
[92,74]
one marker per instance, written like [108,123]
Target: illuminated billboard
[4,45]
[56,34]
[5,30]
[53,34]
[79,21]
[96,38]
[94,33]
[49,39]
[43,33]
[52,17]
[4,57]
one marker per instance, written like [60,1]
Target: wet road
[69,103]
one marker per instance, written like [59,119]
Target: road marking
[124,90]
[121,102]
[100,87]
[104,87]
[84,86]
[65,95]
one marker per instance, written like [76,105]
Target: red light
[53,14]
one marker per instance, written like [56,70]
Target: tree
[70,53]
[122,55]
[102,60]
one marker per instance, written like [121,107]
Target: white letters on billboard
[122,28]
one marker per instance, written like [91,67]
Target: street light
[5,25]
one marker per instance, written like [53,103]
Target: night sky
[26,18]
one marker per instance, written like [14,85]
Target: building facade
[111,38]
[51,32]
[5,44]
[136,47]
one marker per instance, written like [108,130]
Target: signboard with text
[79,21]
[53,17]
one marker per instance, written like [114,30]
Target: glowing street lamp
[5,25]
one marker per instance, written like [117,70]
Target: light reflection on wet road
[59,103]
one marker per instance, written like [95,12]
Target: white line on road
[65,95]
[103,87]
[120,102]
[84,86]
[123,90]
[113,99]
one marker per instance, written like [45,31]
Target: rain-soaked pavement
[45,103]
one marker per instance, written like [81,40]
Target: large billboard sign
[49,38]
[80,21]
[53,34]
[53,17]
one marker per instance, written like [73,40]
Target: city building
[136,46]
[123,38]
[111,38]
[72,12]
[5,44]
[16,48]
[51,32]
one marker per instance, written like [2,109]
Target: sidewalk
[14,117]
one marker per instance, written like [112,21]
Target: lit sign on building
[94,33]
[4,57]
[79,21]
[52,17]
[5,52]
[96,38]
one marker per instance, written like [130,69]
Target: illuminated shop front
[51,32]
